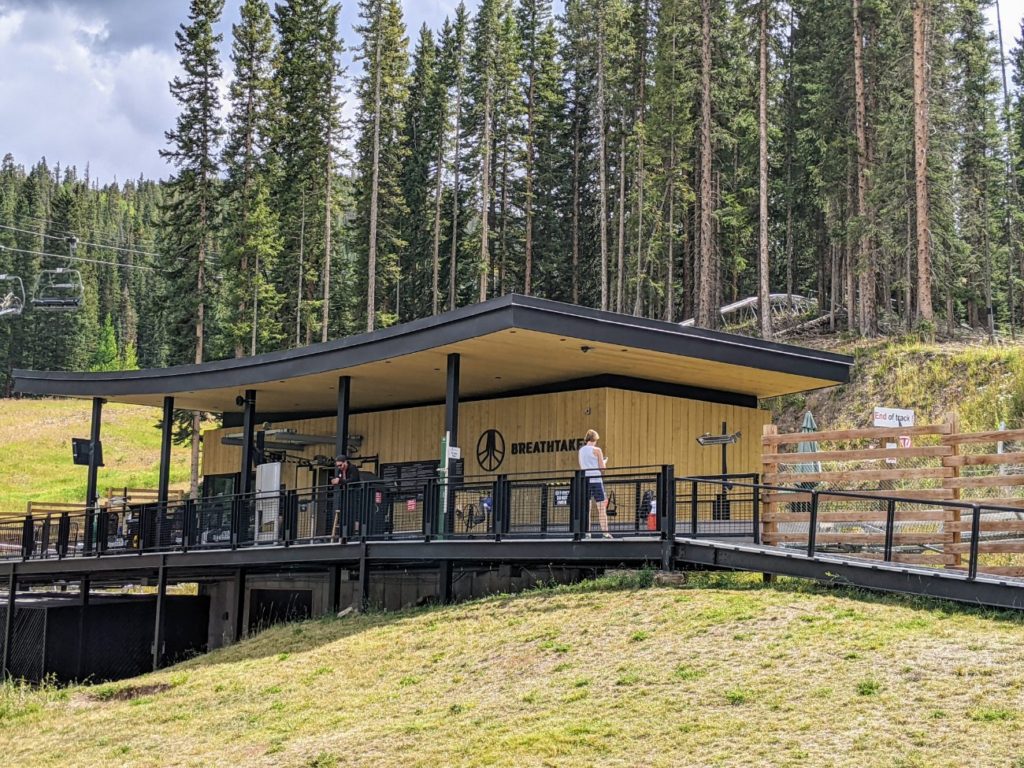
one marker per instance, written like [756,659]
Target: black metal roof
[507,313]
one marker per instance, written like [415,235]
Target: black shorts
[596,490]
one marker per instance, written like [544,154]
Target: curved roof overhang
[507,344]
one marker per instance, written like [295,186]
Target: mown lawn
[722,672]
[35,450]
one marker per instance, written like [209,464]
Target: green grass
[984,384]
[823,678]
[35,450]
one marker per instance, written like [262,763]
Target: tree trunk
[923,234]
[528,203]
[371,265]
[620,264]
[453,261]
[576,212]
[865,269]
[602,157]
[706,310]
[326,314]
[485,189]
[763,288]
[435,255]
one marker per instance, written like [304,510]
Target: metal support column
[451,400]
[334,577]
[248,435]
[94,464]
[166,435]
[83,623]
[335,521]
[341,425]
[444,582]
[12,590]
[158,623]
[451,428]
[239,604]
[364,582]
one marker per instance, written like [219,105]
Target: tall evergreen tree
[190,217]
[251,242]
[380,206]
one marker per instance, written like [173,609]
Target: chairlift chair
[12,296]
[59,290]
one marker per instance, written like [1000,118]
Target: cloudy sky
[86,80]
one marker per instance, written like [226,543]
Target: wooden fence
[926,465]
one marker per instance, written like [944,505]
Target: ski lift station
[465,430]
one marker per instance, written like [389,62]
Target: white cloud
[78,99]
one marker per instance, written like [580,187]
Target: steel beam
[158,622]
[166,436]
[94,463]
[83,623]
[248,439]
[12,590]
[445,587]
[851,572]
[239,604]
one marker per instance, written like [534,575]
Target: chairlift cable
[52,226]
[80,258]
[64,238]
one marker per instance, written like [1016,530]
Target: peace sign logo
[490,450]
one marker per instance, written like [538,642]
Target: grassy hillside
[723,672]
[984,384]
[35,450]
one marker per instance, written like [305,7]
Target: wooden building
[515,382]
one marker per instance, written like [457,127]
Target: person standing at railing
[345,473]
[592,462]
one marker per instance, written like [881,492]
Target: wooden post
[952,515]
[768,509]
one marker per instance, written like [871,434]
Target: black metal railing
[719,505]
[638,502]
[550,504]
[967,536]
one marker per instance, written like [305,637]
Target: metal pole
[158,624]
[84,587]
[340,449]
[812,525]
[94,462]
[972,566]
[248,434]
[12,589]
[890,523]
[239,604]
[166,435]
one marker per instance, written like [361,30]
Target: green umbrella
[808,446]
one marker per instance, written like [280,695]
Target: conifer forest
[661,158]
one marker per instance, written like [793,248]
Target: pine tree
[251,242]
[305,132]
[381,91]
[421,180]
[190,217]
[455,58]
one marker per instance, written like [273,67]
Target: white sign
[454,452]
[893,417]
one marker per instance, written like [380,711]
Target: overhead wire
[80,258]
[54,227]
[64,238]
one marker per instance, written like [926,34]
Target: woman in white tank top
[592,462]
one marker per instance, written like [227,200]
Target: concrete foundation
[311,594]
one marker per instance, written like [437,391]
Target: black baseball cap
[341,458]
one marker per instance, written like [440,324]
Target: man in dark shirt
[344,474]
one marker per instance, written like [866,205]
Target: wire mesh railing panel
[723,506]
[631,505]
[538,508]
